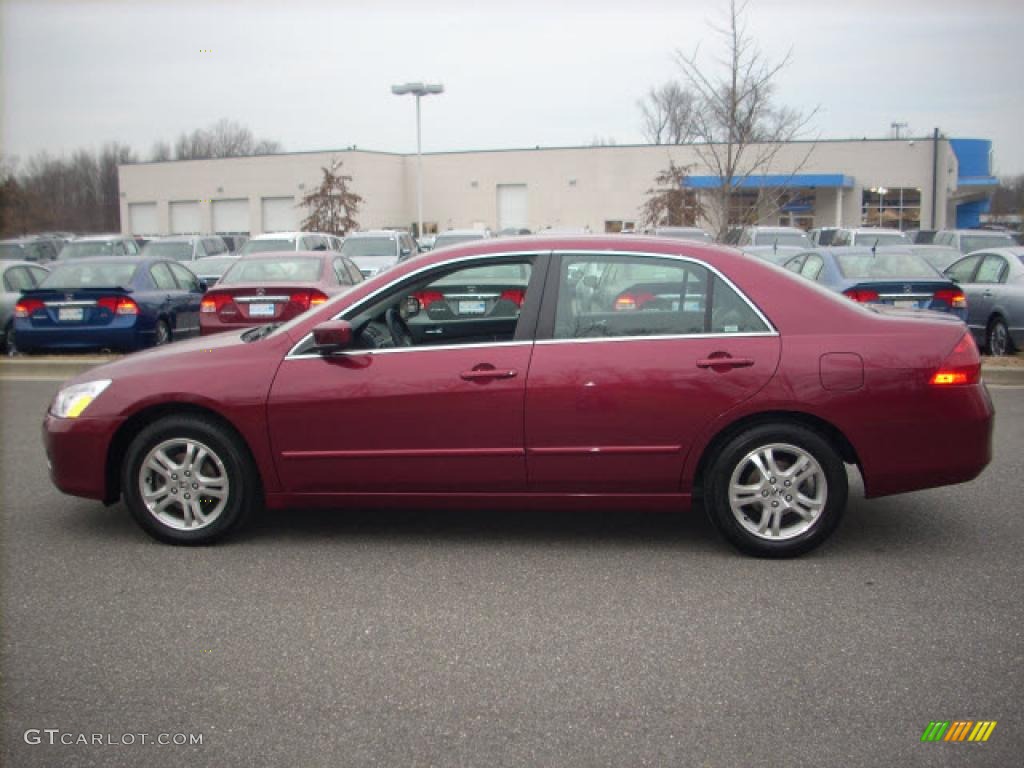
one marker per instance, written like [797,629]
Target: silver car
[15,277]
[993,281]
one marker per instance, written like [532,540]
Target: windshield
[798,239]
[169,250]
[442,240]
[264,246]
[11,251]
[369,246]
[293,270]
[212,266]
[102,274]
[970,243]
[82,250]
[879,238]
[857,266]
[941,257]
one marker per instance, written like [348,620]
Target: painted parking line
[19,377]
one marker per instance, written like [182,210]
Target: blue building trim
[775,180]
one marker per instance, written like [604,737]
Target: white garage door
[513,210]
[142,219]
[280,214]
[231,217]
[185,218]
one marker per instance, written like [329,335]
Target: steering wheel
[399,329]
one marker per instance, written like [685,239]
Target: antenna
[896,128]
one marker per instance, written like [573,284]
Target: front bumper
[76,450]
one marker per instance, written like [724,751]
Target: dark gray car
[993,281]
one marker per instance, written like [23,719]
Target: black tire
[241,494]
[997,338]
[789,443]
[162,335]
[10,347]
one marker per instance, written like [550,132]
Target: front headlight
[71,401]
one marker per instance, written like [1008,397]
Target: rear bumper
[954,446]
[129,338]
[76,450]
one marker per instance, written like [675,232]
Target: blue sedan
[122,303]
[892,276]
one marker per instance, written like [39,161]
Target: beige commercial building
[906,183]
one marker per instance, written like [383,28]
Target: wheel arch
[127,431]
[826,429]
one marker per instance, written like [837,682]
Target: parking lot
[427,638]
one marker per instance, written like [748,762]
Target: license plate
[70,314]
[261,310]
[907,303]
[472,307]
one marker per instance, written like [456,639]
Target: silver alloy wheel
[997,339]
[184,484]
[778,492]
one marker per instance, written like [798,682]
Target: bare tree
[668,114]
[160,152]
[669,203]
[225,138]
[333,207]
[739,131]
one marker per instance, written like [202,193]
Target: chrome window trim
[369,298]
[400,350]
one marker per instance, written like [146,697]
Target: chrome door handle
[487,373]
[725,362]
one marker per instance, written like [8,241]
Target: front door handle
[487,373]
[725,362]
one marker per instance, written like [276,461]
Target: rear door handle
[487,373]
[725,362]
[987,293]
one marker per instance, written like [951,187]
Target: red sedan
[556,372]
[273,288]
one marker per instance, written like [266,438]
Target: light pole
[418,90]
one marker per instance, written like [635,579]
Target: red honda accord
[549,372]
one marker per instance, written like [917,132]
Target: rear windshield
[514,273]
[212,266]
[82,250]
[264,246]
[94,274]
[782,238]
[294,270]
[179,251]
[443,240]
[879,238]
[857,266]
[355,247]
[970,243]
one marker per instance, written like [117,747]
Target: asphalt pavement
[351,638]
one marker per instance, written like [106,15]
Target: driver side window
[479,304]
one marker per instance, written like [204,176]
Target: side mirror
[332,336]
[405,253]
[203,286]
[412,306]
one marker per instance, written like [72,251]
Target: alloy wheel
[184,484]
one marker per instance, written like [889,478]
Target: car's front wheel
[776,490]
[189,480]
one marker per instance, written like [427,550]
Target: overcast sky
[317,75]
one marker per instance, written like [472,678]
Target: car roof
[392,233]
[995,232]
[776,229]
[479,232]
[886,230]
[1011,252]
[178,238]
[98,238]
[285,235]
[283,255]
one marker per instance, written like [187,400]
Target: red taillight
[214,302]
[118,305]
[306,299]
[26,307]
[516,295]
[426,298]
[961,366]
[953,297]
[861,295]
[628,301]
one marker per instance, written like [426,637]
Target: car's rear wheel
[188,480]
[162,335]
[998,338]
[776,490]
[10,343]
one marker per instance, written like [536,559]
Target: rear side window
[812,267]
[163,278]
[992,270]
[601,296]
[963,270]
[341,272]
[17,279]
[186,280]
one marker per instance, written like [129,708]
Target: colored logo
[958,730]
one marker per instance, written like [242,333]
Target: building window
[616,226]
[893,208]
